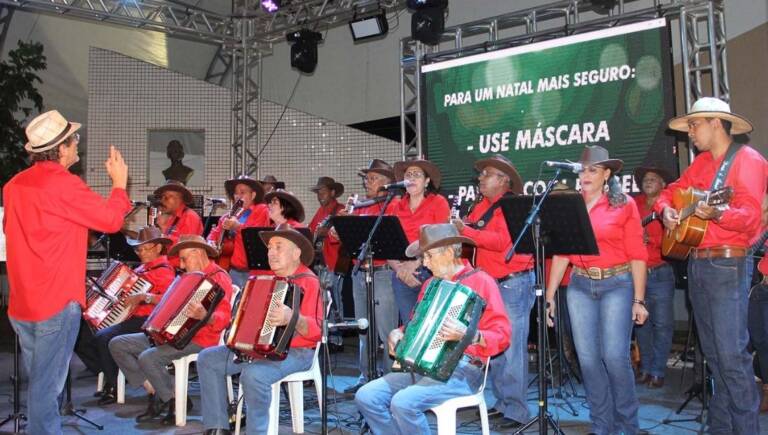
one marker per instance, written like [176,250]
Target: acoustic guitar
[226,242]
[677,244]
[468,252]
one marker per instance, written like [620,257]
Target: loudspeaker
[428,24]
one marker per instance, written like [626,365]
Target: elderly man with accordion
[459,322]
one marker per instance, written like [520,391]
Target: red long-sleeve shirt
[433,209]
[655,231]
[48,212]
[160,273]
[618,233]
[493,242]
[330,245]
[210,334]
[739,223]
[258,217]
[185,221]
[311,308]
[494,324]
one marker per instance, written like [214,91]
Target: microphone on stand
[216,200]
[369,202]
[355,324]
[140,203]
[576,167]
[393,186]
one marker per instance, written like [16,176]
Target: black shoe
[170,405]
[507,423]
[352,389]
[335,348]
[154,410]
[109,396]
[217,432]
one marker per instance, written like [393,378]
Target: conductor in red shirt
[48,212]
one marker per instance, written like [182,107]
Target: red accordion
[168,324]
[105,298]
[251,336]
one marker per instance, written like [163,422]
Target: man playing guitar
[717,269]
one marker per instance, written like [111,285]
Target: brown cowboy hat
[175,186]
[429,168]
[597,155]
[330,183]
[434,236]
[709,107]
[378,166]
[639,174]
[291,198]
[47,130]
[255,185]
[270,179]
[187,241]
[287,232]
[150,234]
[504,165]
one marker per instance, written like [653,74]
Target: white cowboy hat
[48,130]
[709,107]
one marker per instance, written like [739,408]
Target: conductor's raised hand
[116,168]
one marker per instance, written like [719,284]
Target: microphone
[140,203]
[393,186]
[369,202]
[569,166]
[216,200]
[355,324]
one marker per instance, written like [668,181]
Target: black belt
[513,275]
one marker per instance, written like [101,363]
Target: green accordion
[422,350]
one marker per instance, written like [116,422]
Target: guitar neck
[650,218]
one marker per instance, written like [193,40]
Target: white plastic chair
[295,393]
[446,411]
[120,385]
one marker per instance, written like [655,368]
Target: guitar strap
[719,180]
[485,219]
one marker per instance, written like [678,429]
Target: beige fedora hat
[48,130]
[710,107]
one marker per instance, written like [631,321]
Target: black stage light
[369,27]
[304,49]
[428,20]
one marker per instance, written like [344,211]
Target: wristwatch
[148,298]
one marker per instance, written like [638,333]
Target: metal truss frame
[702,42]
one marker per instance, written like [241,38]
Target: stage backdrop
[547,100]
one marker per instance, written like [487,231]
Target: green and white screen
[547,100]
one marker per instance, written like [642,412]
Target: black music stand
[256,250]
[544,215]
[120,250]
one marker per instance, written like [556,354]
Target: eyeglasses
[75,138]
[414,174]
[145,248]
[486,173]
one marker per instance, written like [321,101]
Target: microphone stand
[533,220]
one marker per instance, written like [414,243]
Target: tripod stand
[17,417]
[701,389]
[68,408]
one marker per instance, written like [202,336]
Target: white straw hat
[48,130]
[709,107]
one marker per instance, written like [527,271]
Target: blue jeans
[386,314]
[655,336]
[239,277]
[601,317]
[46,349]
[214,363]
[395,404]
[509,371]
[718,290]
[406,296]
[758,326]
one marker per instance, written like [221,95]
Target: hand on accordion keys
[452,330]
[394,337]
[195,310]
[280,316]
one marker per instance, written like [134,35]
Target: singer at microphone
[576,167]
[361,324]
[394,186]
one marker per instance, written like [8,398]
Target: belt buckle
[595,272]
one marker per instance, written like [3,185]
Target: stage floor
[656,405]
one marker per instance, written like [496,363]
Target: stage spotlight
[428,20]
[304,49]
[369,27]
[271,6]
